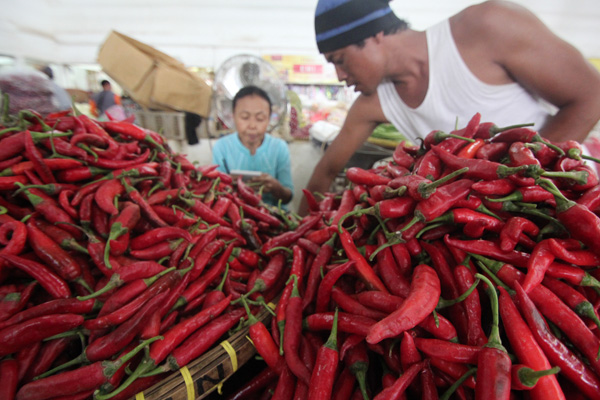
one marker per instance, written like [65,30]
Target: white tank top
[455,93]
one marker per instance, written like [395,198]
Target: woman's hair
[249,91]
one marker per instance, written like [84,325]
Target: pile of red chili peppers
[120,260]
[466,267]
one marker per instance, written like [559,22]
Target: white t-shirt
[454,92]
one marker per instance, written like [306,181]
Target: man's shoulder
[489,17]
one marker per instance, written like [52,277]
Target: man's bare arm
[364,115]
[517,44]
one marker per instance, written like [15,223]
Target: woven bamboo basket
[204,375]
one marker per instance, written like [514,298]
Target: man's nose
[341,74]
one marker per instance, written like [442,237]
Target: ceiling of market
[203,33]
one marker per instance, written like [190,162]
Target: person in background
[496,58]
[103,100]
[61,96]
[250,148]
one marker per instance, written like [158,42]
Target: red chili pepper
[513,229]
[448,351]
[287,238]
[156,235]
[477,168]
[62,165]
[441,201]
[105,347]
[492,151]
[177,334]
[10,162]
[361,176]
[420,188]
[257,214]
[18,237]
[26,333]
[255,385]
[362,266]
[59,306]
[401,384]
[322,378]
[202,340]
[221,206]
[401,157]
[314,273]
[78,380]
[429,166]
[311,201]
[571,366]
[527,349]
[292,335]
[489,249]
[470,149]
[493,362]
[119,164]
[123,313]
[51,282]
[9,182]
[25,357]
[388,270]
[393,170]
[286,385]
[465,216]
[137,198]
[574,299]
[495,187]
[12,303]
[409,354]
[268,276]
[50,209]
[326,286]
[454,370]
[199,286]
[520,154]
[347,203]
[53,255]
[106,193]
[9,377]
[583,258]
[422,300]
[344,386]
[538,264]
[247,194]
[464,280]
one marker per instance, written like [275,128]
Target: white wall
[206,32]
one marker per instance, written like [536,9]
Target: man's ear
[378,37]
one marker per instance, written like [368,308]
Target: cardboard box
[153,79]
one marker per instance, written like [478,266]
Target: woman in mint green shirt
[251,148]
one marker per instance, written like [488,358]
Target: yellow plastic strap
[140,396]
[272,306]
[189,383]
[229,349]
[250,340]
[234,362]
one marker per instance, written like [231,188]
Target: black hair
[398,26]
[249,91]
[104,82]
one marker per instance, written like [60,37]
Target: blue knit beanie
[340,23]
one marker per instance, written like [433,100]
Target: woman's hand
[272,186]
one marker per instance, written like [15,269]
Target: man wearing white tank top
[496,58]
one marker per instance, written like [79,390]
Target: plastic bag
[30,89]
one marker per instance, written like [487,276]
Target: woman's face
[251,117]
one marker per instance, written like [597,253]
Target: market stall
[123,245]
